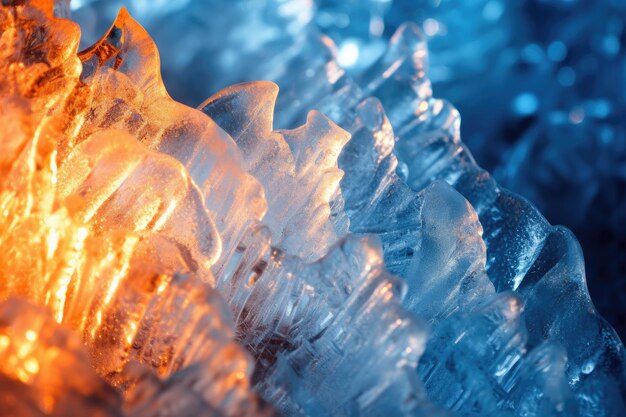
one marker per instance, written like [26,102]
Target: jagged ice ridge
[296,230]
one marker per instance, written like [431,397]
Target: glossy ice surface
[172,261]
[539,83]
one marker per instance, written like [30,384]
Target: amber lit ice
[170,261]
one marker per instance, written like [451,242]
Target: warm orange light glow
[103,229]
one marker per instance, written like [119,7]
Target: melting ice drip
[128,218]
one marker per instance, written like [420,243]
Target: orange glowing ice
[110,236]
[123,211]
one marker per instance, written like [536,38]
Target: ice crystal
[205,260]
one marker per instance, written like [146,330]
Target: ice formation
[170,261]
[532,63]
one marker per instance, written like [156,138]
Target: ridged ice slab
[331,331]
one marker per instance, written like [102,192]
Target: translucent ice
[298,168]
[523,252]
[80,237]
[132,218]
[45,370]
[122,71]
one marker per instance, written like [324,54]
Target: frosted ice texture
[532,63]
[338,336]
[524,253]
[81,238]
[553,131]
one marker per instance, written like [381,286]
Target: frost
[206,259]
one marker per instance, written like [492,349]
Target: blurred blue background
[540,85]
[541,88]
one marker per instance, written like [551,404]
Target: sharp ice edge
[501,312]
[125,60]
[102,257]
[542,263]
[269,320]
[472,42]
[447,159]
[298,168]
[123,70]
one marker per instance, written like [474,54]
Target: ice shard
[79,239]
[122,71]
[206,260]
[298,168]
[523,252]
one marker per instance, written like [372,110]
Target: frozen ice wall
[212,262]
[539,85]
